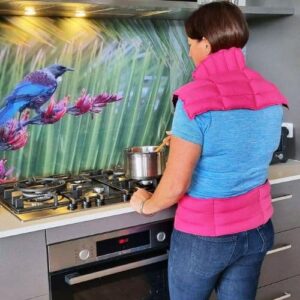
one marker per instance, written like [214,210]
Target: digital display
[122,243]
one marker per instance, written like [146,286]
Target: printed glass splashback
[119,94]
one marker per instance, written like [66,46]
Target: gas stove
[37,198]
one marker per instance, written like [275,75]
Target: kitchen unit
[130,262]
[280,272]
[24,248]
[33,264]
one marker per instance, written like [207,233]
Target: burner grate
[34,187]
[37,198]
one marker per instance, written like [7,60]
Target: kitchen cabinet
[283,261]
[286,203]
[24,271]
[23,254]
[280,275]
[286,289]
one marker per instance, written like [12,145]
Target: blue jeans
[230,264]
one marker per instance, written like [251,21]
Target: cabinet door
[283,261]
[284,290]
[287,289]
[286,202]
[23,261]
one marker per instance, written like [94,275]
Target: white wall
[274,50]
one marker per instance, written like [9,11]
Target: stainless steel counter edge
[10,225]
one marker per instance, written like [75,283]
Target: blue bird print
[32,92]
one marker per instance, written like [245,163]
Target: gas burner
[99,190]
[122,178]
[148,183]
[119,173]
[77,184]
[88,173]
[40,185]
[145,182]
[37,197]
[61,176]
[81,181]
[107,172]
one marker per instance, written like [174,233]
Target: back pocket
[266,233]
[210,255]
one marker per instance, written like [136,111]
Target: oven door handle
[74,278]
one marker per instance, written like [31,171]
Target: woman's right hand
[167,139]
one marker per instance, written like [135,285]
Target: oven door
[138,277]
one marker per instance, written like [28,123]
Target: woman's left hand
[138,198]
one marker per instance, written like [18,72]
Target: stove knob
[84,254]
[86,203]
[100,200]
[7,194]
[17,201]
[279,156]
[72,205]
[161,236]
[126,197]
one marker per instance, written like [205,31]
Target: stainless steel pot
[143,162]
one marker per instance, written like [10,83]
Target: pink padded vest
[224,82]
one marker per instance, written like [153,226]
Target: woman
[226,126]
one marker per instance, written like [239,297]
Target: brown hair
[221,23]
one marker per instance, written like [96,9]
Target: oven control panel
[161,236]
[84,254]
[108,245]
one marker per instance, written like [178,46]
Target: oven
[126,264]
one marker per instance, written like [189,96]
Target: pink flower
[12,136]
[53,113]
[82,105]
[5,174]
[101,100]
[87,103]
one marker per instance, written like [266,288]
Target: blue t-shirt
[237,147]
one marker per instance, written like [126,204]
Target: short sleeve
[185,128]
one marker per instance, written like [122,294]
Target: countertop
[10,225]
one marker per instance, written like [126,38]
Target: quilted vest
[224,82]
